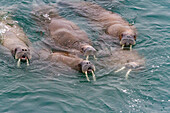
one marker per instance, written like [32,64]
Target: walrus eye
[22,49]
[25,49]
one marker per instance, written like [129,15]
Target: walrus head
[127,39]
[21,54]
[87,67]
[88,50]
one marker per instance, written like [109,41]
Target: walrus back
[10,30]
[7,24]
[66,58]
[95,13]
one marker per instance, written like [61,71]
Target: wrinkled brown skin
[68,59]
[68,35]
[14,38]
[113,24]
[64,33]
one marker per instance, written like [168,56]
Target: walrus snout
[132,65]
[88,67]
[22,55]
[127,41]
[88,50]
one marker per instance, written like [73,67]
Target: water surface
[48,87]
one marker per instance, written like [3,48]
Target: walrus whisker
[18,62]
[87,76]
[123,46]
[128,73]
[120,69]
[130,47]
[87,57]
[94,77]
[28,62]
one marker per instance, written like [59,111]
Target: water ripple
[49,87]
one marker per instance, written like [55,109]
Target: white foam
[3,28]
[47,16]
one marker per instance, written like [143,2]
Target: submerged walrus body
[112,23]
[66,34]
[14,38]
[70,60]
[124,60]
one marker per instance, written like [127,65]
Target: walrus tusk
[120,69]
[28,62]
[130,47]
[120,42]
[134,43]
[87,76]
[123,46]
[94,77]
[87,58]
[94,57]
[19,62]
[128,73]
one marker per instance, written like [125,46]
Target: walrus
[122,60]
[70,60]
[113,24]
[66,33]
[13,37]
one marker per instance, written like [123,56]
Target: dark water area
[46,87]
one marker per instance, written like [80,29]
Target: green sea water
[46,87]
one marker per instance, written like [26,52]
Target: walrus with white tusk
[66,34]
[70,60]
[14,38]
[122,60]
[113,24]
